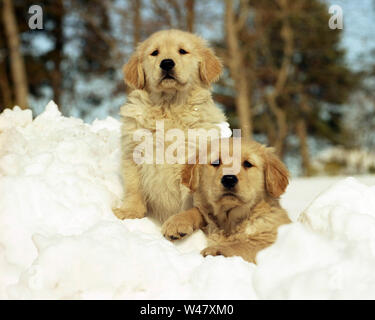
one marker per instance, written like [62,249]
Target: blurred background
[290,81]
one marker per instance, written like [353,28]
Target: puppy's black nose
[229,181]
[167,64]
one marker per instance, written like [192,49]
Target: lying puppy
[239,212]
[171,73]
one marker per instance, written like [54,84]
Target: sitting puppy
[171,73]
[239,212]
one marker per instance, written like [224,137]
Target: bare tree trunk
[137,22]
[190,15]
[287,36]
[17,63]
[238,72]
[271,131]
[281,121]
[56,76]
[303,145]
[301,131]
[6,92]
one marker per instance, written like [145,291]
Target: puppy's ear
[133,72]
[276,175]
[210,66]
[190,176]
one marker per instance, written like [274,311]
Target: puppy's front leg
[247,249]
[182,224]
[133,206]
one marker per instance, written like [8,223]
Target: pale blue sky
[359,28]
[358,33]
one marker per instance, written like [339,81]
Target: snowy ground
[59,179]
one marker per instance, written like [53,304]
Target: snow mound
[59,179]
[329,254]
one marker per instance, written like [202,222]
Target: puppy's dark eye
[216,163]
[155,53]
[182,51]
[247,164]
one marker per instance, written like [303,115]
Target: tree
[6,100]
[137,22]
[238,73]
[56,12]
[286,34]
[299,79]
[17,64]
[190,15]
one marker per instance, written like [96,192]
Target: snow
[59,179]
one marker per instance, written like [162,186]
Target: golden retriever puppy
[171,73]
[240,212]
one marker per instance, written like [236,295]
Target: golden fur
[184,103]
[240,222]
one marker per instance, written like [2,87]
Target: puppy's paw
[130,213]
[218,250]
[176,227]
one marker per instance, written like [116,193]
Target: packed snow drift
[59,179]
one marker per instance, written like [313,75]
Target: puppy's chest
[176,130]
[226,221]
[160,119]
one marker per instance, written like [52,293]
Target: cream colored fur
[183,103]
[244,222]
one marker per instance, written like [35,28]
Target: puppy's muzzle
[167,64]
[229,181]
